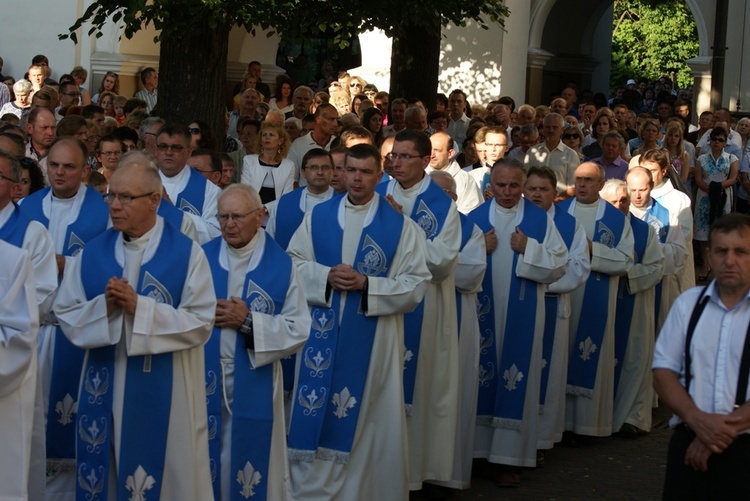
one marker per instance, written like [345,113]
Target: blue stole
[67,359]
[430,210]
[148,381]
[170,213]
[192,198]
[467,228]
[584,361]
[336,356]
[501,406]
[264,291]
[658,217]
[486,182]
[15,227]
[288,216]
[566,225]
[626,300]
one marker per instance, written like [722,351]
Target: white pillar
[701,68]
[515,44]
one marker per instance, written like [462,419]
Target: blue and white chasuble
[92,220]
[501,405]
[335,360]
[264,291]
[148,385]
[431,208]
[192,198]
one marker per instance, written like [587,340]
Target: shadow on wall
[470,61]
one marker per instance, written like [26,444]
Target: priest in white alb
[140,299]
[525,252]
[590,389]
[362,267]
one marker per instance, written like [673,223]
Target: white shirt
[206,224]
[300,146]
[561,159]
[467,191]
[716,348]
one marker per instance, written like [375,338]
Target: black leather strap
[700,305]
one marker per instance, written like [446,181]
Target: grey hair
[439,174]
[146,124]
[249,192]
[611,186]
[22,85]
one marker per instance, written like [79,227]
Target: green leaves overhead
[651,39]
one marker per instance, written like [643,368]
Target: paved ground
[609,468]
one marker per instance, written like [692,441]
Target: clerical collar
[246,250]
[136,241]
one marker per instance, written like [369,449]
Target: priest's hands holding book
[119,294]
[342,277]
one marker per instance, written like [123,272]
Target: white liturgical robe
[206,224]
[19,324]
[154,329]
[678,205]
[377,465]
[276,336]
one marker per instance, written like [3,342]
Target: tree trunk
[415,63]
[192,78]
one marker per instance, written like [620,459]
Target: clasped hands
[118,293]
[342,277]
[714,433]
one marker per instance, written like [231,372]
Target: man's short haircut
[96,178]
[145,73]
[413,111]
[76,143]
[620,105]
[34,114]
[339,149]
[173,129]
[614,134]
[138,155]
[122,133]
[601,174]
[706,113]
[149,122]
[544,173]
[245,189]
[17,139]
[496,129]
[511,163]
[529,130]
[365,151]
[611,186]
[90,110]
[656,155]
[448,178]
[442,98]
[15,166]
[214,156]
[418,138]
[109,139]
[301,89]
[509,102]
[70,125]
[308,119]
[643,170]
[323,107]
[132,104]
[245,120]
[554,116]
[527,107]
[294,121]
[315,153]
[479,135]
[382,94]
[38,59]
[253,63]
[436,115]
[457,91]
[225,158]
[355,132]
[734,221]
[399,101]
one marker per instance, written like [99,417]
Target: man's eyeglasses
[225,218]
[177,148]
[124,199]
[6,178]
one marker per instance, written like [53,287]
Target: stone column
[701,68]
[536,61]
[515,45]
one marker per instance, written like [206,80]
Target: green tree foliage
[651,39]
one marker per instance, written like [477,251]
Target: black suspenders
[742,377]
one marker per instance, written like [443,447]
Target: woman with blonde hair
[649,134]
[678,157]
[269,171]
[342,103]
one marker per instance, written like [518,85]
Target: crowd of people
[349,296]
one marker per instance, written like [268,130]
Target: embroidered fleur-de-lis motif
[483,306]
[213,425]
[92,434]
[512,376]
[408,356]
[587,347]
[96,384]
[91,483]
[486,375]
[318,364]
[66,408]
[139,483]
[212,467]
[311,401]
[248,477]
[343,401]
[323,322]
[486,341]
